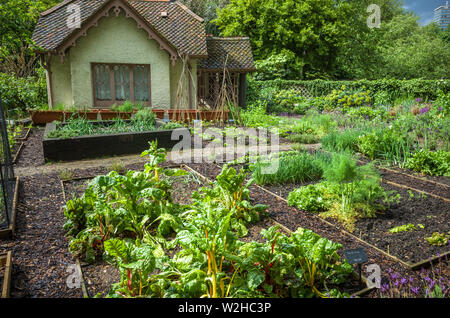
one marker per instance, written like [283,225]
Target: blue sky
[423,8]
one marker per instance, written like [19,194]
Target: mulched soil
[39,248]
[426,186]
[293,218]
[439,179]
[410,246]
[32,154]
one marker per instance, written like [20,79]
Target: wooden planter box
[97,146]
[159,113]
[6,263]
[207,115]
[186,115]
[41,117]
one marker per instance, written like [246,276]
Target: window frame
[108,103]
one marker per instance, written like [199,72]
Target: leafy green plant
[313,198]
[230,191]
[434,163]
[341,141]
[405,228]
[292,168]
[388,144]
[438,239]
[128,205]
[135,261]
[74,127]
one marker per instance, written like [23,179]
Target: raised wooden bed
[9,232]
[6,265]
[97,146]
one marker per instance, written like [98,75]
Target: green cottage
[98,53]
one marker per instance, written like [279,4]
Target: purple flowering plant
[431,283]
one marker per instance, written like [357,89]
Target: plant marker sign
[356,256]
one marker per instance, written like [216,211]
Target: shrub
[22,93]
[345,98]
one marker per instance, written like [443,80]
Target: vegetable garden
[354,173]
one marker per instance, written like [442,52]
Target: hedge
[417,88]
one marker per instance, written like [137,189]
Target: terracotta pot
[159,113]
[40,117]
[210,115]
[183,114]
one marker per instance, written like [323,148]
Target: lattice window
[116,83]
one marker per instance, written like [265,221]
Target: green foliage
[274,27]
[116,205]
[255,116]
[313,198]
[389,143]
[291,168]
[434,163]
[290,101]
[344,98]
[426,89]
[349,192]
[284,65]
[341,141]
[438,239]
[230,192]
[135,262]
[127,107]
[23,93]
[74,127]
[405,228]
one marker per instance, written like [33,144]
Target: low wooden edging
[284,228]
[16,156]
[26,136]
[9,232]
[6,261]
[90,147]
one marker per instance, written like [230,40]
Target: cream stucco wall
[115,40]
[61,81]
[180,92]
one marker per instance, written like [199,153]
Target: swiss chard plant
[123,206]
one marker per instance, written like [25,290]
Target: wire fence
[7,183]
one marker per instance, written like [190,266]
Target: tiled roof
[181,28]
[237,53]
[51,29]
